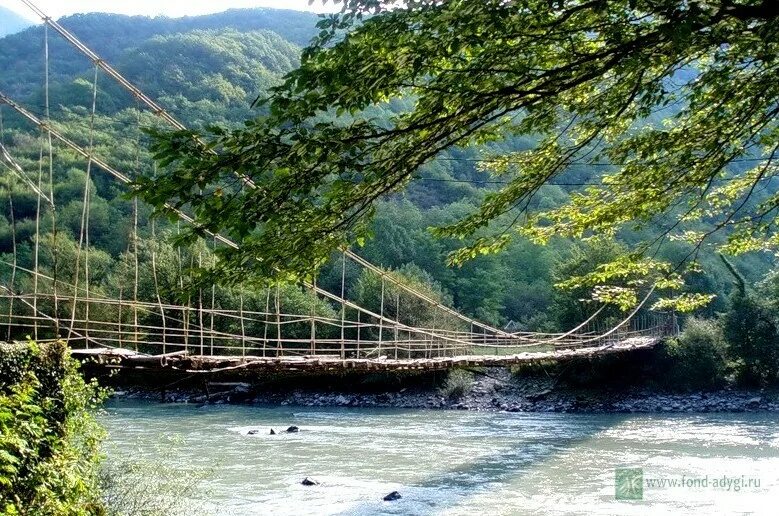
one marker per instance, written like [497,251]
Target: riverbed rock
[394,495]
[253,432]
[242,388]
[272,431]
[754,403]
[308,481]
[293,429]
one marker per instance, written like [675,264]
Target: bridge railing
[157,328]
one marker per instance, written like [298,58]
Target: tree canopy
[586,79]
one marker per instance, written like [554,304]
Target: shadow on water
[494,469]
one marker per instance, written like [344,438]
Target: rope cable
[83,240]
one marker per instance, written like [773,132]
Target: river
[452,462]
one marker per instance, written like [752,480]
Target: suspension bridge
[219,329]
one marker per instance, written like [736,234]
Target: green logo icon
[629,484]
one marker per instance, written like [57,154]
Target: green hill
[110,35]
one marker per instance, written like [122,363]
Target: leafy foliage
[752,333]
[583,78]
[458,383]
[699,356]
[49,439]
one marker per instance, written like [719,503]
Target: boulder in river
[272,431]
[308,481]
[293,429]
[253,432]
[394,495]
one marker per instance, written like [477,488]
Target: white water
[451,462]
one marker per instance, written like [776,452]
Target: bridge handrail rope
[333,297]
[235,314]
[12,165]
[43,314]
[389,277]
[149,307]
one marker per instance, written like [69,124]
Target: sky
[173,8]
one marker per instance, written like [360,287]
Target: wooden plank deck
[182,362]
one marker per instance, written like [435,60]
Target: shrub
[49,439]
[458,384]
[697,356]
[753,339]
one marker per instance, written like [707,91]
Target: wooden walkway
[198,364]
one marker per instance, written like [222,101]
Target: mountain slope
[222,65]
[110,35]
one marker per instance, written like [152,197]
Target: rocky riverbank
[492,390]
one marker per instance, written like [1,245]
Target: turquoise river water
[453,462]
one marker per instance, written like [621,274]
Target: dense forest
[208,70]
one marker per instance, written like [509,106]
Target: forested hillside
[208,70]
[111,35]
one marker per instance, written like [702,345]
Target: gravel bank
[492,390]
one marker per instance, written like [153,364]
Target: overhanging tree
[587,79]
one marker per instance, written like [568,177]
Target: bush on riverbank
[458,384]
[752,333]
[698,357]
[695,360]
[49,438]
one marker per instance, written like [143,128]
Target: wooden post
[120,316]
[279,351]
[267,322]
[313,318]
[397,319]
[213,298]
[359,324]
[243,327]
[343,304]
[381,314]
